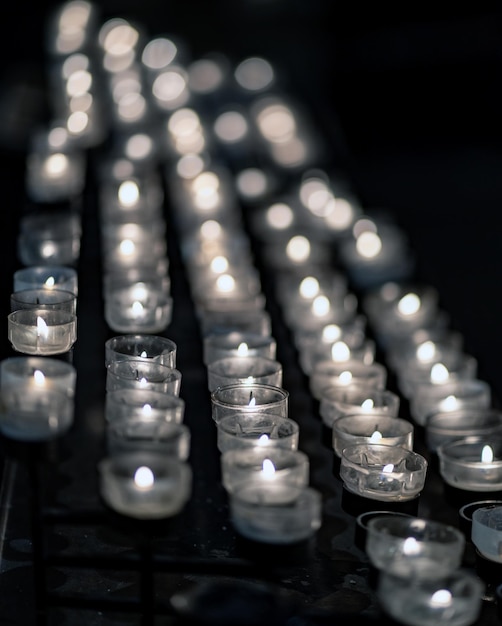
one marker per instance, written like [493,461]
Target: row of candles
[264,472]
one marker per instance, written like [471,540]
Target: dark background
[415,90]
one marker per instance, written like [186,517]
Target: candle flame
[388,469]
[42,328]
[441,598]
[368,244]
[331,332]
[340,351]
[309,287]
[50,282]
[143,477]
[219,264]
[137,308]
[128,193]
[439,373]
[39,378]
[487,454]
[426,351]
[243,349]
[268,469]
[298,248]
[252,402]
[411,546]
[320,306]
[376,437]
[409,304]
[450,403]
[225,283]
[143,382]
[345,377]
[263,440]
[139,291]
[127,247]
[146,409]
[144,354]
[368,404]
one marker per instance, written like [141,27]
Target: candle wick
[250,395]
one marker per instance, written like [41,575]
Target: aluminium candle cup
[125,312]
[330,373]
[141,347]
[219,346]
[453,600]
[449,396]
[381,429]
[472,463]
[275,513]
[243,371]
[150,433]
[42,331]
[145,486]
[253,399]
[55,299]
[442,427]
[127,404]
[414,547]
[35,414]
[384,473]
[141,374]
[46,277]
[239,465]
[38,372]
[249,431]
[340,400]
[448,368]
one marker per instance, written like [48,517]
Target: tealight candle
[385,473]
[55,299]
[56,176]
[145,485]
[453,600]
[141,374]
[42,331]
[486,532]
[239,465]
[449,396]
[244,370]
[249,431]
[442,427]
[246,317]
[275,513]
[148,434]
[38,373]
[49,239]
[254,399]
[314,316]
[218,346]
[414,547]
[330,373]
[46,277]
[341,400]
[136,308]
[381,429]
[35,413]
[472,463]
[127,404]
[141,347]
[339,352]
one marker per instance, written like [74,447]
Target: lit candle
[42,331]
[472,463]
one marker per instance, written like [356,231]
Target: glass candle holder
[486,531]
[219,346]
[148,434]
[46,277]
[472,463]
[243,371]
[362,521]
[275,513]
[454,600]
[49,239]
[424,346]
[138,308]
[381,429]
[255,399]
[249,431]
[343,400]
[127,404]
[38,373]
[450,396]
[385,473]
[143,375]
[311,317]
[145,485]
[414,547]
[352,333]
[51,299]
[441,428]
[141,347]
[240,465]
[339,352]
[30,413]
[253,322]
[42,331]
[331,374]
